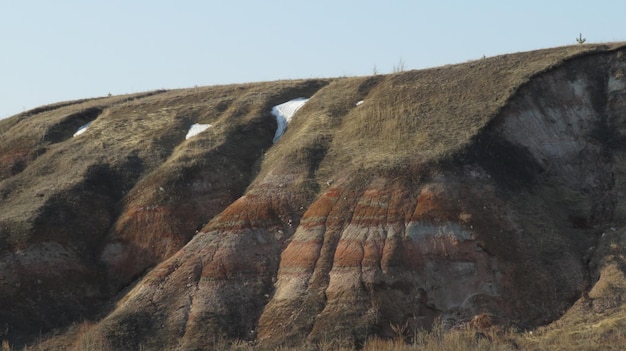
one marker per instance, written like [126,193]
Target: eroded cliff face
[494,202]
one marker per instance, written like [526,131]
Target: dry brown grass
[608,334]
[145,129]
[467,340]
[90,339]
[414,116]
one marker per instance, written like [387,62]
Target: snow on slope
[82,129]
[196,129]
[283,114]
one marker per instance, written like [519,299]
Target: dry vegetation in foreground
[609,334]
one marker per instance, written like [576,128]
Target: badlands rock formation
[494,186]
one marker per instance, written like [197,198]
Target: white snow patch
[616,84]
[82,129]
[283,114]
[196,129]
[359,102]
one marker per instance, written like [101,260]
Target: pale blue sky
[69,49]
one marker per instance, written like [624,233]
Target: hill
[391,204]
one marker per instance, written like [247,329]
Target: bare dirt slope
[494,186]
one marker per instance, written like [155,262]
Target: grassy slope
[416,116]
[71,190]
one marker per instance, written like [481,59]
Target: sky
[61,50]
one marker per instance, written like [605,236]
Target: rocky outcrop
[480,189]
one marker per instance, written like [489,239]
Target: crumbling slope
[391,200]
